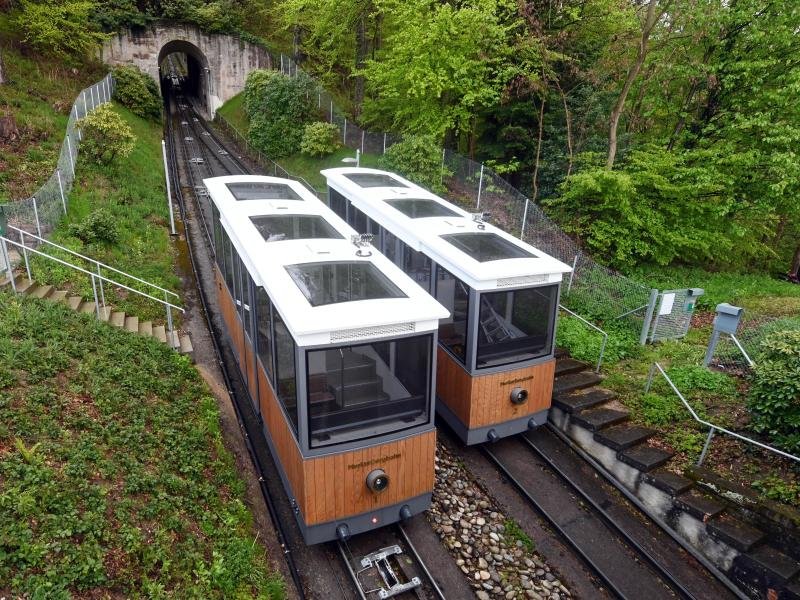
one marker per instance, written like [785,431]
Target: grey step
[117,319]
[173,339]
[624,436]
[775,568]
[160,334]
[699,505]
[41,291]
[74,302]
[575,381]
[565,366]
[734,532]
[598,418]
[58,296]
[358,391]
[87,307]
[645,458]
[132,324]
[105,313]
[146,328]
[579,400]
[23,284]
[186,345]
[669,482]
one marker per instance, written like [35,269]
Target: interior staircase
[26,287]
[761,556]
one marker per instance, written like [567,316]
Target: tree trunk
[569,128]
[538,154]
[361,55]
[647,28]
[2,79]
[794,271]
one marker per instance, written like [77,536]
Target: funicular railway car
[337,348]
[496,363]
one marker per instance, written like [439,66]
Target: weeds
[515,533]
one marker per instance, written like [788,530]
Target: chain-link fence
[41,213]
[751,332]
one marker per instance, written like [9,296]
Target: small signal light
[374,520]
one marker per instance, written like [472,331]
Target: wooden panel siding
[485,400]
[230,315]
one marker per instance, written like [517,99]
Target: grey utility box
[728,317]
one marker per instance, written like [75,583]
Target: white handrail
[712,427]
[596,328]
[93,260]
[93,275]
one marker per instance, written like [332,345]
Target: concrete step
[565,366]
[575,381]
[117,319]
[87,307]
[173,339]
[160,334]
[146,328]
[598,418]
[579,400]
[771,567]
[24,285]
[58,296]
[669,482]
[105,313]
[644,457]
[74,302]
[132,324]
[735,533]
[699,505]
[41,291]
[186,345]
[623,436]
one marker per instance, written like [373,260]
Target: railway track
[190,139]
[632,557]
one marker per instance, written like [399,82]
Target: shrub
[99,226]
[320,139]
[61,29]
[775,392]
[137,91]
[278,107]
[106,135]
[418,158]
[584,343]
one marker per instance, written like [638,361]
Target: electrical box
[692,294]
[728,317]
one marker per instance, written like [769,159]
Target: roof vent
[344,335]
[515,281]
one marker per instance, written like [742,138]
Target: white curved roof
[425,234]
[267,262]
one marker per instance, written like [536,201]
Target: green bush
[99,226]
[584,343]
[775,392]
[61,29]
[418,158]
[137,91]
[106,135]
[320,139]
[278,107]
[689,378]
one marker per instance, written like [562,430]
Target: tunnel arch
[200,81]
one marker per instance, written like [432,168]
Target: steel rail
[439,593]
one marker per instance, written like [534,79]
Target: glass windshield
[357,392]
[453,294]
[368,180]
[333,282]
[276,228]
[484,247]
[420,208]
[516,325]
[260,190]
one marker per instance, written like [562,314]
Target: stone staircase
[761,555]
[24,286]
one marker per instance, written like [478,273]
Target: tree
[62,28]
[106,135]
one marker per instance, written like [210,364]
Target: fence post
[281,63]
[69,153]
[169,190]
[480,189]
[344,134]
[96,301]
[319,99]
[524,219]
[102,291]
[384,143]
[85,108]
[648,317]
[7,262]
[25,253]
[36,216]
[441,171]
[61,191]
[572,274]
[362,141]
[705,447]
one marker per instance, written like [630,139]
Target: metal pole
[36,216]
[102,291]
[344,134]
[572,274]
[705,447]
[648,317]
[384,143]
[331,111]
[61,190]
[358,157]
[650,378]
[25,254]
[7,261]
[91,95]
[319,100]
[441,171]
[480,189]
[524,220]
[742,350]
[85,109]
[69,153]
[96,303]
[169,190]
[281,63]
[362,141]
[712,346]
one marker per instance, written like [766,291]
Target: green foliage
[515,533]
[585,343]
[278,107]
[775,391]
[221,16]
[99,226]
[778,488]
[320,139]
[116,480]
[106,135]
[661,409]
[418,158]
[61,28]
[691,378]
[137,91]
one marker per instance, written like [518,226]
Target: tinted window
[421,208]
[217,226]
[453,294]
[333,282]
[285,367]
[337,203]
[259,190]
[516,326]
[418,267]
[264,333]
[229,256]
[369,180]
[357,392]
[484,247]
[294,227]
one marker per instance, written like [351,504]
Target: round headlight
[519,395]
[377,480]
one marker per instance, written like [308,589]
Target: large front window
[361,391]
[453,294]
[516,326]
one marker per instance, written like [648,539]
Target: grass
[114,480]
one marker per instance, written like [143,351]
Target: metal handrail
[713,428]
[91,260]
[596,328]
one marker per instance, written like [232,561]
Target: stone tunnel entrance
[189,63]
